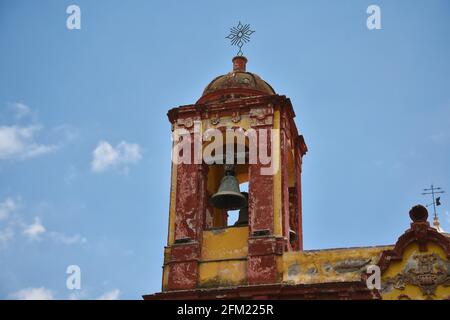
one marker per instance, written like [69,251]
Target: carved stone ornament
[261,116]
[426,271]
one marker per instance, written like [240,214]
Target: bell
[228,196]
[243,213]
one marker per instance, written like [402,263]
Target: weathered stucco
[330,265]
[222,273]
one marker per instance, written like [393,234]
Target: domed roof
[238,83]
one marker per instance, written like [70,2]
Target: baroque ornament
[426,271]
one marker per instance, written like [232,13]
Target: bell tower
[239,134]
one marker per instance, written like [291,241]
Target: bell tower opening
[221,184]
[226,199]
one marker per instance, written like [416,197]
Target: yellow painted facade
[224,257]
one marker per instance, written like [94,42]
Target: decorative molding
[186,123]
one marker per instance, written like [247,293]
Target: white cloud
[17,142]
[110,295]
[34,230]
[105,156]
[7,207]
[65,239]
[33,294]
[20,139]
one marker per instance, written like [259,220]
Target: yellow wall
[222,274]
[224,253]
[338,265]
[226,243]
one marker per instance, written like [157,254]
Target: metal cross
[434,192]
[239,36]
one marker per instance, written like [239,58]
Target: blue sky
[85,141]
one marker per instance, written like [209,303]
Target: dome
[235,84]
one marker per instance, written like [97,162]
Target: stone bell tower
[203,250]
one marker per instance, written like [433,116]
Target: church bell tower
[204,249]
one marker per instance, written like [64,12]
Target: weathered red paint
[261,261]
[189,220]
[187,202]
[183,275]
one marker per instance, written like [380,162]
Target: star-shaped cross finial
[239,36]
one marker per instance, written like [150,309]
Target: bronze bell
[228,196]
[243,213]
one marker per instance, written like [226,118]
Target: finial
[418,213]
[239,36]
